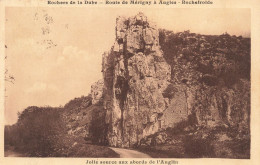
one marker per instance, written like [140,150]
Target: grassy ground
[78,150]
[66,147]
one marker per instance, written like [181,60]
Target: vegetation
[42,132]
[200,142]
[222,59]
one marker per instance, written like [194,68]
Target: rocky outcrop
[213,75]
[160,81]
[77,115]
[97,91]
[209,97]
[135,76]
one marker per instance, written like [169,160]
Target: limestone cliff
[155,80]
[135,76]
[211,75]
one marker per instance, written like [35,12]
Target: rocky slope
[85,116]
[156,80]
[214,74]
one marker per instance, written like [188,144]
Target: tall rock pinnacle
[135,74]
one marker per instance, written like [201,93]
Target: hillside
[57,132]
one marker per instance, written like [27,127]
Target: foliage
[223,58]
[42,132]
[81,102]
[38,131]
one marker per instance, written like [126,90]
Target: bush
[198,147]
[38,132]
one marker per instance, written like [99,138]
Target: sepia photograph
[127,83]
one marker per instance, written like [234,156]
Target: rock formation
[97,91]
[211,74]
[152,85]
[135,76]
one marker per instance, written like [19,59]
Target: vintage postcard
[129,82]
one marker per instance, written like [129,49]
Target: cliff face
[97,91]
[213,73]
[135,75]
[154,81]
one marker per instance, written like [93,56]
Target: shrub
[38,131]
[198,147]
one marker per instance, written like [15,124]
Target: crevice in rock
[120,41]
[140,51]
[224,109]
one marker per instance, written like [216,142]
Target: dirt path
[126,153]
[9,152]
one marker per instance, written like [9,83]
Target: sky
[55,54]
